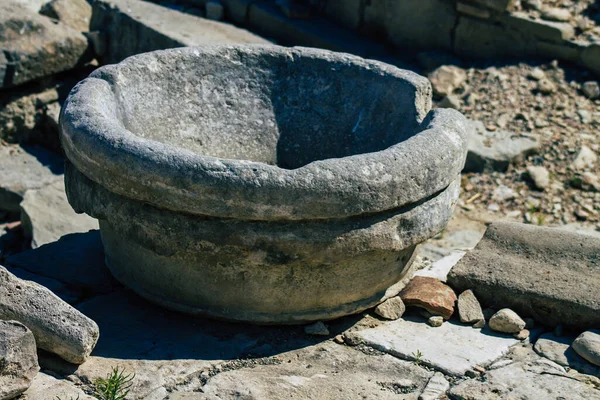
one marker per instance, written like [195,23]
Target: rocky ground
[534,160]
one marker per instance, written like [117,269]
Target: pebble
[546,86]
[447,78]
[391,308]
[507,321]
[503,193]
[591,89]
[537,74]
[469,309]
[435,321]
[587,345]
[339,339]
[317,329]
[540,176]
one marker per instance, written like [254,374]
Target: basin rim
[171,177]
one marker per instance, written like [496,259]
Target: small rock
[317,329]
[430,294]
[450,101]
[522,335]
[591,181]
[586,158]
[591,90]
[493,207]
[215,10]
[339,339]
[557,349]
[546,86]
[556,14]
[539,176]
[435,321]
[537,74]
[587,345]
[18,359]
[447,78]
[469,308]
[503,193]
[533,4]
[391,308]
[436,387]
[507,321]
[57,327]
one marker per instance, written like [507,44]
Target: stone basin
[261,183]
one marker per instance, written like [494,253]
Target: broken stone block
[430,294]
[25,168]
[76,14]
[34,47]
[437,386]
[498,149]
[18,359]
[549,274]
[156,28]
[46,215]
[57,327]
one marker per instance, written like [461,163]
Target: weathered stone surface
[559,350]
[451,348]
[156,28]
[591,89]
[30,43]
[57,327]
[76,260]
[25,168]
[74,13]
[533,378]
[446,244]
[45,387]
[66,293]
[430,294]
[47,216]
[587,345]
[445,79]
[437,386]
[281,207]
[391,308]
[556,14]
[469,308]
[507,321]
[18,359]
[547,273]
[497,150]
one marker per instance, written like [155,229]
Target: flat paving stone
[451,348]
[533,379]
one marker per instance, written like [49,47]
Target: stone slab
[47,216]
[549,274]
[532,379]
[440,268]
[25,168]
[452,348]
[31,45]
[156,28]
[77,260]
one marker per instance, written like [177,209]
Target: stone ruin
[322,215]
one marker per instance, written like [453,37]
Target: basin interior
[281,107]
